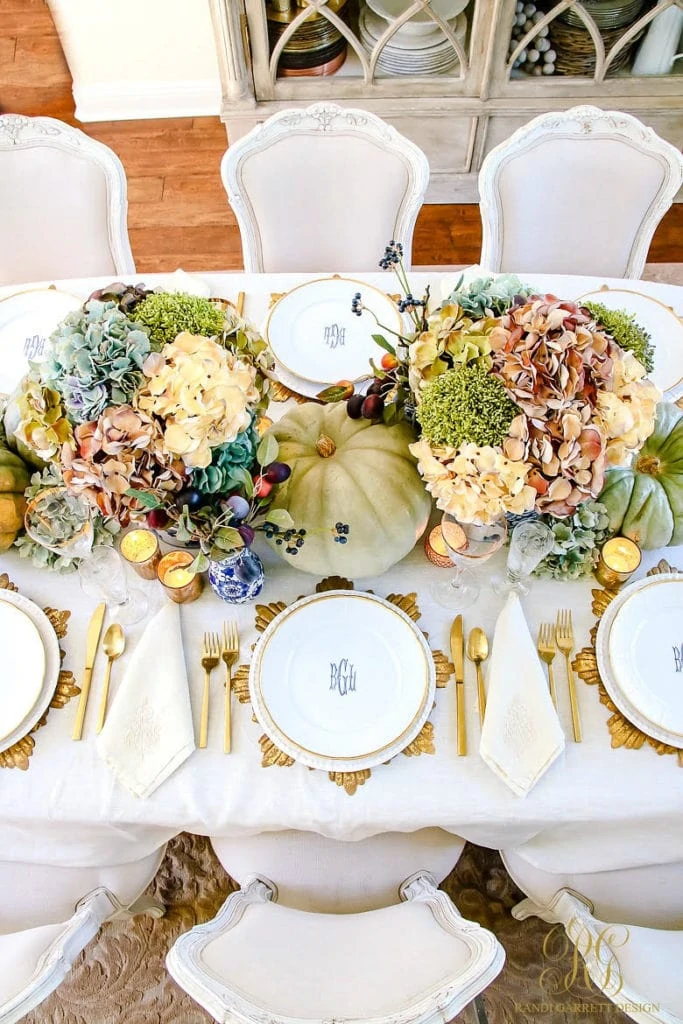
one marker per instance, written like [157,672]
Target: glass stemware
[467,544]
[102,576]
[529,544]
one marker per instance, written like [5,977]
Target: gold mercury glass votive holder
[181,584]
[140,548]
[619,559]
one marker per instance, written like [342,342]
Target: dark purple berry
[372,407]
[354,406]
[277,472]
[191,497]
[157,519]
[247,534]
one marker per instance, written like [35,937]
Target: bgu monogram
[342,677]
[335,335]
[33,346]
[678,657]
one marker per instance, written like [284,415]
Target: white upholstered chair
[63,203]
[49,914]
[579,191]
[323,188]
[627,925]
[418,962]
[328,876]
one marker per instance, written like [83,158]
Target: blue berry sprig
[393,254]
[341,533]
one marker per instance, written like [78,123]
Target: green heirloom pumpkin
[354,472]
[645,501]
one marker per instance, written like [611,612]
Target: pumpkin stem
[325,446]
[649,464]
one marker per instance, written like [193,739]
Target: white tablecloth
[599,808]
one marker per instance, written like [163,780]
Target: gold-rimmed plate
[342,681]
[663,325]
[27,319]
[639,649]
[315,336]
[30,666]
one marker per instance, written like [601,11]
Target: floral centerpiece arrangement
[149,407]
[520,401]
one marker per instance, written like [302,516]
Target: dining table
[597,808]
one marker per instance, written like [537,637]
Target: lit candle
[140,548]
[619,559]
[178,580]
[435,549]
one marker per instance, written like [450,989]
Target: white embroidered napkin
[522,735]
[148,732]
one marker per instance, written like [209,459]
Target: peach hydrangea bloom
[627,412]
[202,392]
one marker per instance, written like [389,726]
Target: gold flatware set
[213,652]
[560,637]
[477,651]
[91,645]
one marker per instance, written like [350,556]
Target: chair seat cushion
[334,966]
[649,964]
[19,955]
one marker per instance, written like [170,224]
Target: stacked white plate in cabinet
[425,52]
[342,681]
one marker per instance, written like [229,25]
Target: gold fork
[564,636]
[211,655]
[230,653]
[546,650]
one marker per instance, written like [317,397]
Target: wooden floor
[178,214]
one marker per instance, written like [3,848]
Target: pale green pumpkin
[354,472]
[645,502]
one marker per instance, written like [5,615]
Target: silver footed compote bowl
[469,545]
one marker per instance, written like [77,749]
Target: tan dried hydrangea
[43,426]
[203,394]
[627,412]
[473,483]
[121,450]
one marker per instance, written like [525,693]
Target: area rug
[121,977]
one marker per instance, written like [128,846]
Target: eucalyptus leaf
[267,450]
[200,563]
[380,340]
[146,499]
[280,517]
[335,393]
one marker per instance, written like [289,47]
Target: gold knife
[93,639]
[458,656]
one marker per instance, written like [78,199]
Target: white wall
[133,59]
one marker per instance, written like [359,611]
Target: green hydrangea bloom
[466,404]
[487,296]
[578,539]
[228,463]
[168,314]
[94,359]
[629,335]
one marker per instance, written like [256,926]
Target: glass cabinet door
[575,45]
[344,48]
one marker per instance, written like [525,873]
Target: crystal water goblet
[468,544]
[102,576]
[530,542]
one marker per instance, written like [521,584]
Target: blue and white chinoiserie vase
[238,578]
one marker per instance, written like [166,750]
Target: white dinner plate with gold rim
[21,665]
[27,319]
[663,325]
[342,681]
[639,649]
[314,335]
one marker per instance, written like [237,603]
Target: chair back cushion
[323,189]
[62,204]
[579,192]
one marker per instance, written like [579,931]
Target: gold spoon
[113,646]
[478,651]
